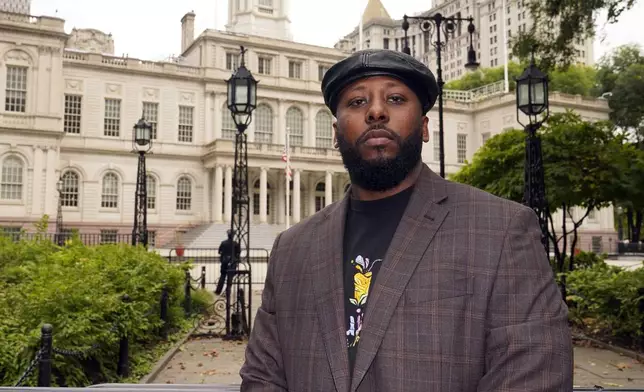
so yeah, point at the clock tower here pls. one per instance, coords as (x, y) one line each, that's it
(266, 18)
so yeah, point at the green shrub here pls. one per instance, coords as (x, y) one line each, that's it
(79, 291)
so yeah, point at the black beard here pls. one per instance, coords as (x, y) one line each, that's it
(381, 174)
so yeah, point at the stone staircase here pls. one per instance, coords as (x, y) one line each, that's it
(210, 235)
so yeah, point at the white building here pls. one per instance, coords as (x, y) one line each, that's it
(70, 104)
(491, 19)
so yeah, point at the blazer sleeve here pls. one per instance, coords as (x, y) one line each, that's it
(263, 369)
(528, 342)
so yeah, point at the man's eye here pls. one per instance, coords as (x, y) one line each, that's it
(356, 102)
(397, 99)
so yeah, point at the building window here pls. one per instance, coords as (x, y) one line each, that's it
(263, 124)
(186, 121)
(461, 148)
(295, 126)
(385, 43)
(295, 69)
(323, 129)
(320, 196)
(151, 188)
(109, 236)
(232, 61)
(184, 194)
(70, 194)
(322, 69)
(11, 183)
(110, 193)
(152, 238)
(597, 244)
(266, 6)
(112, 121)
(228, 127)
(485, 137)
(16, 91)
(437, 147)
(151, 115)
(72, 119)
(264, 65)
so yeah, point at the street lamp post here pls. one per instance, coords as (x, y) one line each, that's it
(142, 144)
(448, 26)
(60, 240)
(242, 100)
(532, 101)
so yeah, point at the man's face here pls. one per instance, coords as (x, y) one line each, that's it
(380, 129)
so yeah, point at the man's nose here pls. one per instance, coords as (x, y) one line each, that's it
(377, 112)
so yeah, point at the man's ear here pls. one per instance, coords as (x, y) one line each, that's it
(335, 134)
(425, 129)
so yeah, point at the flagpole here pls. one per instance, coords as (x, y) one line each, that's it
(287, 177)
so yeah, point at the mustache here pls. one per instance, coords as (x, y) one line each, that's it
(393, 135)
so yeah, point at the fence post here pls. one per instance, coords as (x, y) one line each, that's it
(123, 368)
(164, 312)
(188, 300)
(44, 365)
(203, 276)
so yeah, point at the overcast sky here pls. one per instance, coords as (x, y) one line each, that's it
(151, 29)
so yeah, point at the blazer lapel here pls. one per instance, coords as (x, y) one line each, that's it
(329, 291)
(420, 222)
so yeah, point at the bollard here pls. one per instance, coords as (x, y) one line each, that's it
(44, 365)
(164, 312)
(123, 368)
(188, 300)
(203, 276)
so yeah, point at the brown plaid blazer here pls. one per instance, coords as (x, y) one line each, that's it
(465, 301)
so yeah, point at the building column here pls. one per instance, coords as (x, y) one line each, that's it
(36, 192)
(228, 194)
(281, 200)
(312, 193)
(263, 194)
(296, 196)
(207, 210)
(50, 183)
(328, 188)
(216, 197)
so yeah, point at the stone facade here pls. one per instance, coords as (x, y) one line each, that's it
(69, 114)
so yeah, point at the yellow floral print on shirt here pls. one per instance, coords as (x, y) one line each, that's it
(361, 286)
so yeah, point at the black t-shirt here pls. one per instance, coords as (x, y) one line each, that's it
(226, 247)
(369, 228)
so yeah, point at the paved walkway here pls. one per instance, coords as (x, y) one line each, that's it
(214, 361)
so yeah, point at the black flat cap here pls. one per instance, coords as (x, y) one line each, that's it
(380, 62)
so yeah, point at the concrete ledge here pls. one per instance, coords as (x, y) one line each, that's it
(606, 346)
(161, 363)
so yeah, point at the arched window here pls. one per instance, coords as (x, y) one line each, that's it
(228, 127)
(11, 183)
(70, 194)
(320, 196)
(323, 129)
(184, 194)
(295, 126)
(263, 124)
(110, 191)
(151, 189)
(256, 198)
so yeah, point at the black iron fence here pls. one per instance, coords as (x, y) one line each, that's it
(635, 248)
(43, 359)
(60, 238)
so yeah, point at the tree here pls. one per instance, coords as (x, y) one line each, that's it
(576, 79)
(584, 165)
(632, 200)
(554, 41)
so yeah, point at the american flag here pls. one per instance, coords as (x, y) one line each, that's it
(286, 158)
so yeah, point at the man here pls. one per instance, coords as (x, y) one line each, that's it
(410, 282)
(225, 253)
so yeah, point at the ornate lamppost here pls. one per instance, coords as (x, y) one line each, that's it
(141, 144)
(242, 100)
(447, 26)
(532, 101)
(60, 238)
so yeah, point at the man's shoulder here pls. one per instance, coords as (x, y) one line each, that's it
(474, 201)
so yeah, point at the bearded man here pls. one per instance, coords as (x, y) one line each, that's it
(410, 282)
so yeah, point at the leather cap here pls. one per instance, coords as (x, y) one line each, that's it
(380, 62)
